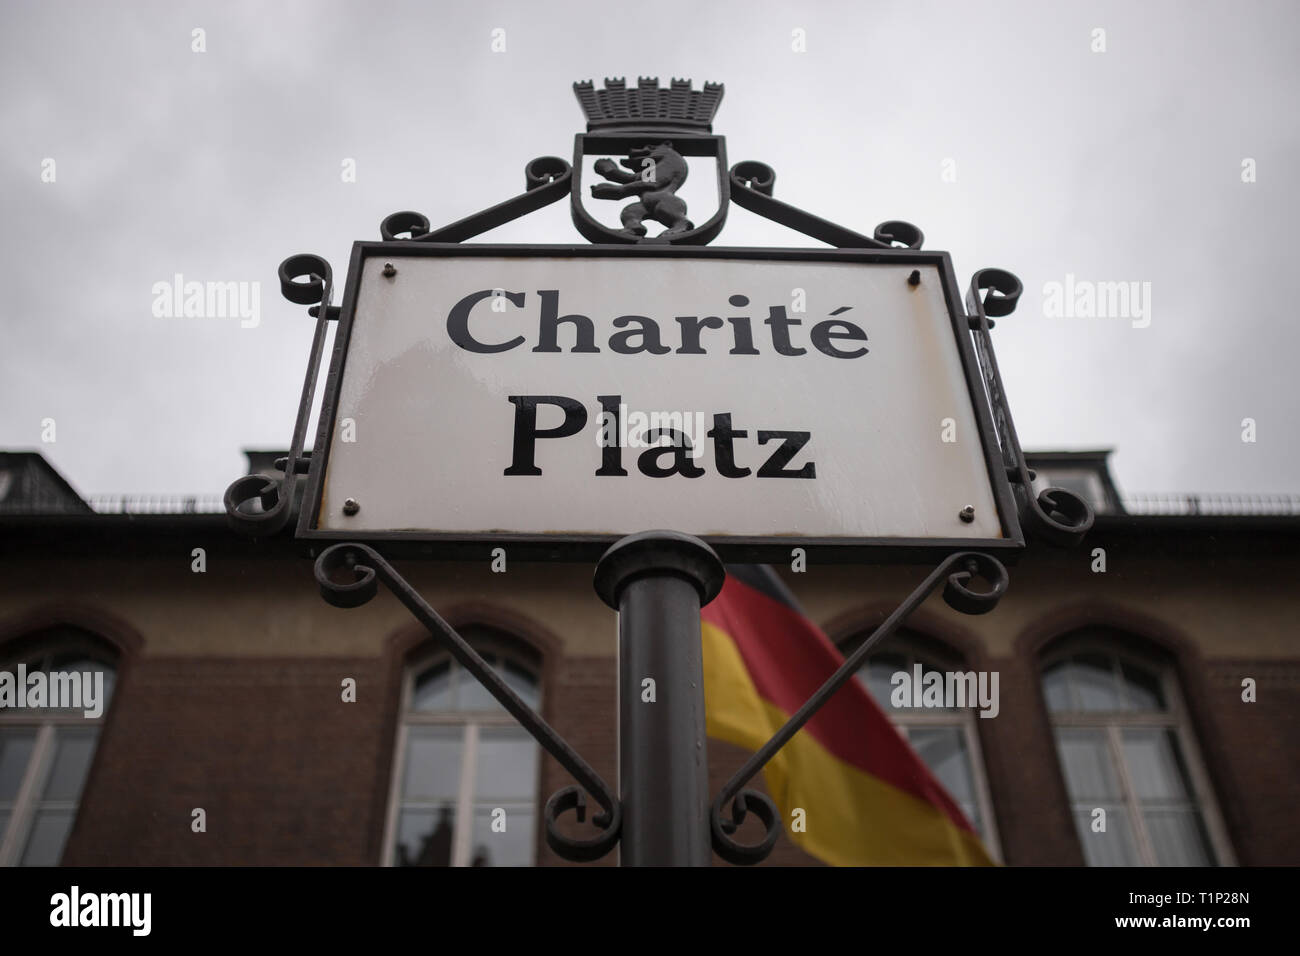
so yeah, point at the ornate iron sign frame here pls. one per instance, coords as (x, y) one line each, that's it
(348, 574)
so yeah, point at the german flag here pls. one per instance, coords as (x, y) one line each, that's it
(868, 798)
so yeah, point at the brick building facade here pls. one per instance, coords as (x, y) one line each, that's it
(1120, 689)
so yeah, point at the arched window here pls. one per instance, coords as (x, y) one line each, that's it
(945, 738)
(55, 687)
(464, 790)
(1138, 791)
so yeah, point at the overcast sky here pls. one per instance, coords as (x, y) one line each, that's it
(1122, 165)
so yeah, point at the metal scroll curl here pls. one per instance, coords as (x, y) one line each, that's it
(751, 188)
(313, 268)
(1056, 515)
(348, 576)
(896, 233)
(545, 170)
(962, 598)
(413, 224)
(305, 279)
(578, 849)
(751, 174)
(269, 493)
(331, 569)
(722, 828)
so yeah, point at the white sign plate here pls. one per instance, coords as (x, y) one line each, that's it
(471, 402)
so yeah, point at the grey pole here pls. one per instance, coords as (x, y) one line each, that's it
(658, 581)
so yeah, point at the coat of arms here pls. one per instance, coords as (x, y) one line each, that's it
(654, 130)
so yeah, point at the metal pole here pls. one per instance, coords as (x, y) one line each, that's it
(658, 581)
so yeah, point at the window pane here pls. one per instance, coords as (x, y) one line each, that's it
(73, 750)
(1088, 771)
(1153, 765)
(15, 751)
(1141, 689)
(507, 764)
(1093, 677)
(49, 834)
(944, 751)
(432, 763)
(523, 683)
(514, 847)
(432, 689)
(1179, 838)
(1056, 686)
(1115, 846)
(424, 837)
(472, 694)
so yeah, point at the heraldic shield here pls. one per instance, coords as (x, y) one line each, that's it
(644, 136)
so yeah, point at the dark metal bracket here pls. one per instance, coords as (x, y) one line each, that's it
(276, 497)
(547, 179)
(1055, 515)
(751, 188)
(956, 572)
(368, 568)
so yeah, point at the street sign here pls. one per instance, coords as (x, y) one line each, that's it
(557, 398)
(658, 407)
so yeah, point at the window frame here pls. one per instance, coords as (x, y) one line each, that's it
(1175, 718)
(46, 722)
(471, 723)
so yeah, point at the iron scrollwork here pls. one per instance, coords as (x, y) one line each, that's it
(656, 128)
(368, 569)
(276, 496)
(751, 188)
(1056, 515)
(547, 179)
(645, 123)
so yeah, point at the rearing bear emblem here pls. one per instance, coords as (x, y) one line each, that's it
(653, 173)
(649, 131)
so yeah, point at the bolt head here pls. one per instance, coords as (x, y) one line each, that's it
(914, 278)
(967, 514)
(351, 506)
(390, 270)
